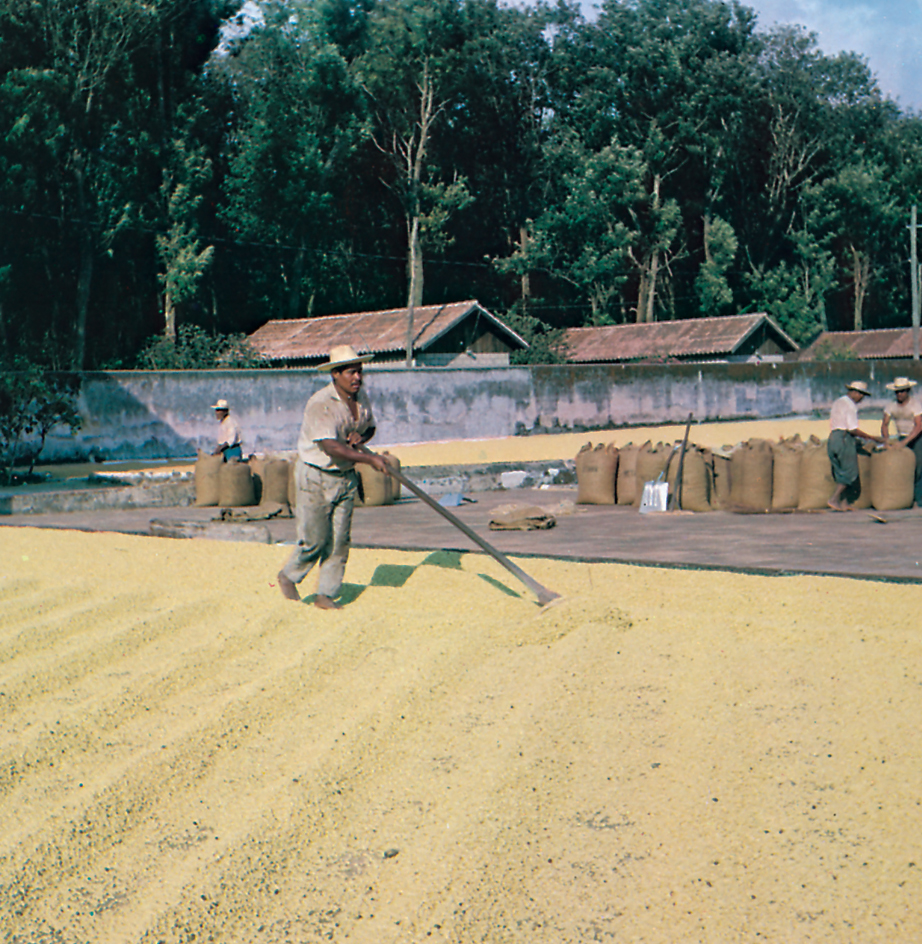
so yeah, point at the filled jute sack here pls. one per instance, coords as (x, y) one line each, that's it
(206, 478)
(626, 480)
(521, 518)
(719, 461)
(596, 471)
(292, 484)
(376, 487)
(786, 456)
(696, 479)
(864, 474)
(392, 483)
(751, 475)
(275, 474)
(235, 485)
(815, 483)
(257, 471)
(651, 460)
(892, 474)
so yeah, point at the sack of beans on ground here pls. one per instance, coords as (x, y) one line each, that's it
(392, 483)
(786, 459)
(596, 472)
(377, 487)
(719, 461)
(751, 475)
(892, 474)
(815, 483)
(270, 481)
(626, 480)
(207, 468)
(697, 479)
(235, 485)
(651, 461)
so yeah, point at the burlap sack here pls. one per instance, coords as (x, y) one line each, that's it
(626, 481)
(376, 486)
(257, 471)
(696, 479)
(815, 483)
(786, 456)
(392, 483)
(293, 484)
(751, 475)
(521, 518)
(596, 470)
(864, 473)
(651, 460)
(892, 474)
(275, 476)
(206, 478)
(719, 460)
(235, 485)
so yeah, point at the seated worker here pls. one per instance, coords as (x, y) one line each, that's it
(841, 446)
(906, 414)
(230, 440)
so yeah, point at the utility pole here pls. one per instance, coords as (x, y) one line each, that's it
(914, 276)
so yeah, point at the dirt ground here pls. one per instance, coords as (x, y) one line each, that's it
(663, 756)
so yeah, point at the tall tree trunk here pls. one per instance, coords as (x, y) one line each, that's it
(85, 271)
(526, 276)
(169, 315)
(861, 265)
(415, 295)
(297, 280)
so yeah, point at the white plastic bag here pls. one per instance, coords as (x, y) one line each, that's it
(655, 496)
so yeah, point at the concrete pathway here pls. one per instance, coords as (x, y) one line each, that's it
(851, 544)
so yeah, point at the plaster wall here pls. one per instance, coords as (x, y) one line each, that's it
(167, 414)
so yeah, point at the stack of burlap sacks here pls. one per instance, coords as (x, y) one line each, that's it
(269, 483)
(757, 475)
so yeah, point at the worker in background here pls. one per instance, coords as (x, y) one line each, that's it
(337, 420)
(841, 445)
(906, 414)
(230, 440)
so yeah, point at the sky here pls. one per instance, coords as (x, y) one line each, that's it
(888, 33)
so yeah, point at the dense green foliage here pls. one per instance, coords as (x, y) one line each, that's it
(666, 160)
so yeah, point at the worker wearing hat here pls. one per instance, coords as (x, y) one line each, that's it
(906, 414)
(337, 419)
(841, 446)
(230, 439)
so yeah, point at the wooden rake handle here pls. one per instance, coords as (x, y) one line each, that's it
(542, 593)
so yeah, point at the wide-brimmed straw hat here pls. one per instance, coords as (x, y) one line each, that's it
(901, 383)
(220, 405)
(342, 356)
(860, 386)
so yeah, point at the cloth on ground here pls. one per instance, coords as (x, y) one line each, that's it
(516, 517)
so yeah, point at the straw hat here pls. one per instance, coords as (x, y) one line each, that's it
(901, 383)
(220, 405)
(860, 386)
(343, 355)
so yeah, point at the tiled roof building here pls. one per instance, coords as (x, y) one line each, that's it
(457, 334)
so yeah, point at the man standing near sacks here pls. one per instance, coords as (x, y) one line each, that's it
(841, 446)
(337, 419)
(230, 439)
(906, 414)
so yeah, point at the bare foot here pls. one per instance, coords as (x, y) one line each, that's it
(325, 603)
(289, 590)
